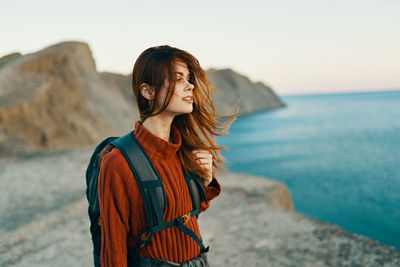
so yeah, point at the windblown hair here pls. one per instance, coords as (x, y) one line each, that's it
(154, 66)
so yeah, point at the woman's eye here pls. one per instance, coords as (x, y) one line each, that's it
(180, 79)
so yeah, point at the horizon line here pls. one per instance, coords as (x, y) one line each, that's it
(374, 90)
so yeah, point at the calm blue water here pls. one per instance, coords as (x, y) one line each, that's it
(339, 155)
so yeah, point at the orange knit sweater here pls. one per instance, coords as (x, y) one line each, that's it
(122, 208)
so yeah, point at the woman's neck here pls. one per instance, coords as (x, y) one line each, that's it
(160, 127)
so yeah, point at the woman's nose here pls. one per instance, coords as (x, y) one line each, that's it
(191, 86)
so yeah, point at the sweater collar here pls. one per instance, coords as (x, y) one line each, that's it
(156, 146)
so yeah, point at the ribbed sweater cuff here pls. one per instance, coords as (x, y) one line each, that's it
(213, 189)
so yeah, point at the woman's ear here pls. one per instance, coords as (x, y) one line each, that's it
(146, 91)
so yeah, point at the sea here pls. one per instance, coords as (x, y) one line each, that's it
(338, 154)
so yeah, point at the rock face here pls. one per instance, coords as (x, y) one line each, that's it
(55, 98)
(231, 87)
(270, 191)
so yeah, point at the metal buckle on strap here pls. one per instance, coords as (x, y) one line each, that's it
(144, 236)
(185, 218)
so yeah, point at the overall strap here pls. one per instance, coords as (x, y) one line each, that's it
(148, 179)
(194, 183)
(179, 222)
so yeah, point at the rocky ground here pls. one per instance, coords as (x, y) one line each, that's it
(44, 221)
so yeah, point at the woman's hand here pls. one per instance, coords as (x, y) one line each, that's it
(205, 159)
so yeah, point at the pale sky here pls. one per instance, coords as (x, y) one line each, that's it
(292, 46)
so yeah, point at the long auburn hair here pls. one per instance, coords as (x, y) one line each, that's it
(153, 67)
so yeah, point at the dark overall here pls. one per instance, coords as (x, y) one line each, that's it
(200, 261)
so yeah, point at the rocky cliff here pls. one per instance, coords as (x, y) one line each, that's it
(231, 87)
(50, 99)
(55, 98)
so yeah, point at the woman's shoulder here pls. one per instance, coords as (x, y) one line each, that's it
(113, 155)
(114, 162)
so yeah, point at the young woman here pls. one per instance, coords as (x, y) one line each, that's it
(175, 101)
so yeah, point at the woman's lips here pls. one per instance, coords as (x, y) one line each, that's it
(188, 99)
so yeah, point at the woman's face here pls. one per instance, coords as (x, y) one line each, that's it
(178, 105)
